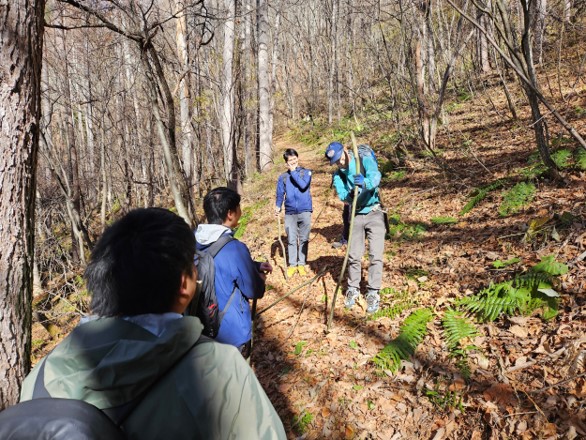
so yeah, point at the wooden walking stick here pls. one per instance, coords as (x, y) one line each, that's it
(282, 247)
(352, 214)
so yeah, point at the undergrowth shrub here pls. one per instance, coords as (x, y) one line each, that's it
(524, 294)
(479, 194)
(516, 198)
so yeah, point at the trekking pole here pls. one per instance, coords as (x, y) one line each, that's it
(253, 315)
(282, 247)
(352, 214)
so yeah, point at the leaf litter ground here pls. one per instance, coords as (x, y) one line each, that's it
(527, 375)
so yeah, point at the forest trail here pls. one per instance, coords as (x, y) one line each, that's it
(325, 385)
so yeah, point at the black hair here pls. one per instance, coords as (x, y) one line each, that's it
(218, 202)
(288, 153)
(137, 263)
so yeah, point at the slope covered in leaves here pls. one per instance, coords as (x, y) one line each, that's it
(522, 376)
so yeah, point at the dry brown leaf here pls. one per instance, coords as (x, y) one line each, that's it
(501, 394)
(519, 331)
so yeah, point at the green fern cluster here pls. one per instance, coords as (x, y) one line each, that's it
(562, 158)
(411, 333)
(524, 294)
(517, 197)
(401, 301)
(456, 328)
(479, 195)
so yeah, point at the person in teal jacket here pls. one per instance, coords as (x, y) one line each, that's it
(369, 221)
(142, 277)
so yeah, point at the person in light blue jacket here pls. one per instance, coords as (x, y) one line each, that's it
(234, 267)
(369, 221)
(293, 187)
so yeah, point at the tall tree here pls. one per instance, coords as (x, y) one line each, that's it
(264, 87)
(21, 42)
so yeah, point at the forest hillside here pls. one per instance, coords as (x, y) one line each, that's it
(481, 332)
(477, 114)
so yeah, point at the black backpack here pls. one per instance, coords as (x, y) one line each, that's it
(205, 307)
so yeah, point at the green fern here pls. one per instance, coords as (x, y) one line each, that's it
(479, 195)
(562, 158)
(517, 197)
(524, 294)
(456, 328)
(401, 301)
(548, 265)
(580, 158)
(411, 333)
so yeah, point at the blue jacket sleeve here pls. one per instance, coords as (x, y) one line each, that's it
(280, 191)
(248, 278)
(341, 186)
(373, 176)
(301, 177)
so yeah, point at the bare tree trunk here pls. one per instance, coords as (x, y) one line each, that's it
(227, 92)
(265, 147)
(21, 42)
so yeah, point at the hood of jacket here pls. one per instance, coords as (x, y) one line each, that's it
(109, 361)
(206, 234)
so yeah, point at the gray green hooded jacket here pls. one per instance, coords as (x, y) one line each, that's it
(210, 393)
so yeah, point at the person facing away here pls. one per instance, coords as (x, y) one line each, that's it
(141, 278)
(236, 272)
(369, 221)
(293, 187)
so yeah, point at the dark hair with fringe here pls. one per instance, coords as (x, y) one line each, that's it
(288, 153)
(137, 263)
(218, 202)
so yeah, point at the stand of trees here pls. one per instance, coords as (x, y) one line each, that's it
(153, 102)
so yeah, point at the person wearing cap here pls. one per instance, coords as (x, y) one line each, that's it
(293, 188)
(368, 223)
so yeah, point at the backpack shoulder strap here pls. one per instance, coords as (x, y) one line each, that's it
(217, 246)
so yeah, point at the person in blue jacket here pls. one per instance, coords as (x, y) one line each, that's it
(293, 187)
(234, 267)
(369, 221)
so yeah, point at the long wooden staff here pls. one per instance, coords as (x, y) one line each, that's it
(352, 214)
(282, 247)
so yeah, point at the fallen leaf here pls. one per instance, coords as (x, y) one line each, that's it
(519, 331)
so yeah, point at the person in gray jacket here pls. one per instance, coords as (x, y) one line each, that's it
(139, 346)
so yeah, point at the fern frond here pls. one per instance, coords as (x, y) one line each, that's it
(480, 195)
(549, 266)
(411, 333)
(457, 327)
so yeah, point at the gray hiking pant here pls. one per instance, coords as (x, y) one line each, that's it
(369, 226)
(297, 227)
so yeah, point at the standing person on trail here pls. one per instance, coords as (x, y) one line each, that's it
(293, 186)
(369, 221)
(138, 353)
(238, 278)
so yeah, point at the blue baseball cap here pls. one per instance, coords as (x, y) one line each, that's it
(334, 152)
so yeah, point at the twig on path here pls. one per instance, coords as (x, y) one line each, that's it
(298, 315)
(319, 275)
(562, 382)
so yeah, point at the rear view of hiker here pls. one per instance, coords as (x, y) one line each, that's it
(238, 278)
(293, 187)
(139, 354)
(369, 221)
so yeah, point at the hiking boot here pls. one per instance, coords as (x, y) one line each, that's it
(291, 270)
(302, 270)
(352, 295)
(340, 244)
(372, 300)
